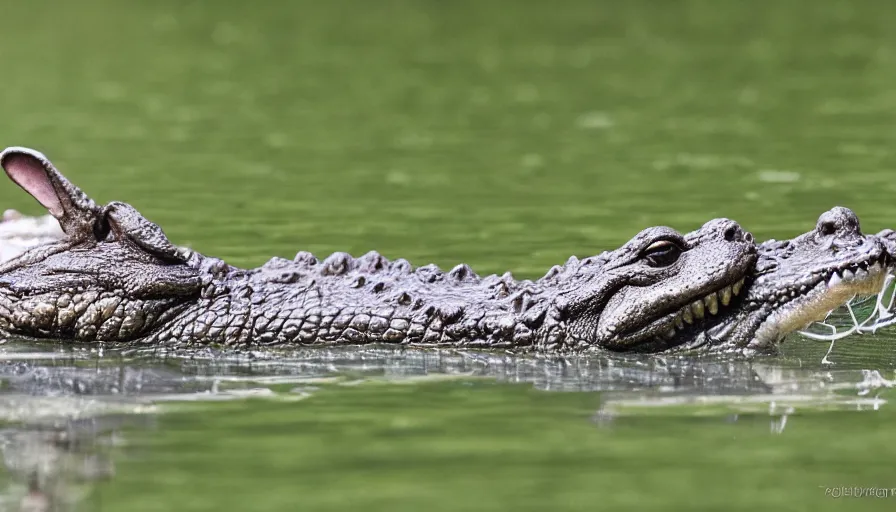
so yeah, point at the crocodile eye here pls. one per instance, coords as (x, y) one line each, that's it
(661, 253)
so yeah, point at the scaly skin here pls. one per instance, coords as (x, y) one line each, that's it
(114, 276)
(370, 299)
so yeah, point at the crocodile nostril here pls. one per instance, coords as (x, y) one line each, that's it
(748, 237)
(827, 228)
(731, 233)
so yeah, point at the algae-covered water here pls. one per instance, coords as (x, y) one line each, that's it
(507, 134)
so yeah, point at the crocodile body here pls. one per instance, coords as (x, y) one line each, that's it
(114, 276)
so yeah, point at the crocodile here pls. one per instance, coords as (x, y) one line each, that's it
(115, 277)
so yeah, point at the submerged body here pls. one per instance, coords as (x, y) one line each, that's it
(114, 276)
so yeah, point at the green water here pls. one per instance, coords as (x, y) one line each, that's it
(504, 134)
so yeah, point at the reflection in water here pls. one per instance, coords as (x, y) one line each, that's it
(50, 464)
(603, 372)
(64, 407)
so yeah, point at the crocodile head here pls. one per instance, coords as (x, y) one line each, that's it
(800, 281)
(709, 299)
(658, 291)
(114, 275)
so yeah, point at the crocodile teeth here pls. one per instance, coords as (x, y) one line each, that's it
(712, 303)
(834, 280)
(725, 295)
(679, 324)
(669, 334)
(697, 309)
(877, 267)
(847, 275)
(861, 274)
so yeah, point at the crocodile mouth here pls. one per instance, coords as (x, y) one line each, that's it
(796, 306)
(680, 327)
(703, 310)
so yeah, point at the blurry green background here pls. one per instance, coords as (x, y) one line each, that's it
(507, 134)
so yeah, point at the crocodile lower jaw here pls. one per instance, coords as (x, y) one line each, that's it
(814, 302)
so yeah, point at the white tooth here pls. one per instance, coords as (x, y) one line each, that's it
(679, 324)
(712, 303)
(725, 295)
(861, 274)
(834, 280)
(847, 275)
(735, 288)
(697, 309)
(687, 316)
(877, 267)
(669, 334)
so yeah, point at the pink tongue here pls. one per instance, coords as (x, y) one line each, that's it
(29, 173)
